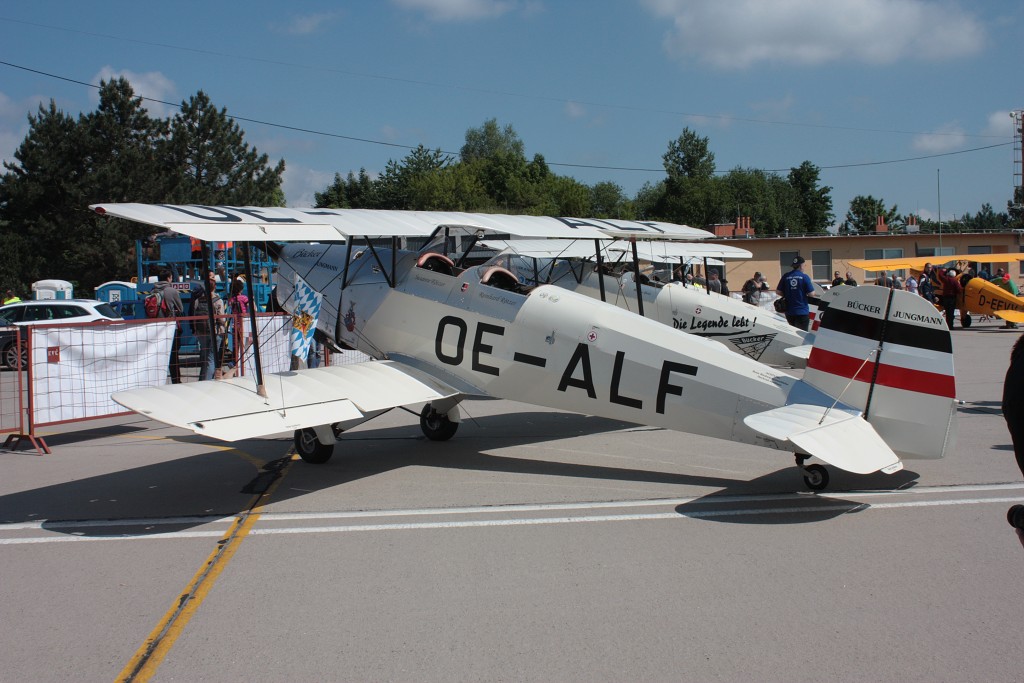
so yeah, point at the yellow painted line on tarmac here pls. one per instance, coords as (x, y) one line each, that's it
(144, 663)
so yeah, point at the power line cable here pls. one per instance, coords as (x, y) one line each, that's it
(488, 91)
(340, 136)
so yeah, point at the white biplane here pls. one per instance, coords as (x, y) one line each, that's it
(879, 384)
(748, 330)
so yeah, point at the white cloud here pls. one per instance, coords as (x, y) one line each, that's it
(999, 123)
(9, 141)
(300, 183)
(309, 23)
(776, 109)
(945, 139)
(738, 34)
(720, 121)
(465, 10)
(574, 110)
(153, 85)
(14, 123)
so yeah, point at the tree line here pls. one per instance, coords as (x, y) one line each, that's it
(119, 153)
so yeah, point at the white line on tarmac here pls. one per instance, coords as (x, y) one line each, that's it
(512, 507)
(617, 518)
(845, 507)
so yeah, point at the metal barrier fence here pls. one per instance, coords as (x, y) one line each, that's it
(68, 371)
(13, 396)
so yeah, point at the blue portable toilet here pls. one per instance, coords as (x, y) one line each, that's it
(122, 296)
(52, 289)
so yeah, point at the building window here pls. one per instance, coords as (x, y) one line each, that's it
(932, 251)
(786, 261)
(821, 265)
(871, 254)
(982, 249)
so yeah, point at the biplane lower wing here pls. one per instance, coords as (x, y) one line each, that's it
(835, 436)
(1011, 316)
(232, 409)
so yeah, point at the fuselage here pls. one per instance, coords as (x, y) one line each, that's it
(745, 329)
(548, 346)
(986, 298)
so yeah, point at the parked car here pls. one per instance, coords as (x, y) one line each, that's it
(46, 311)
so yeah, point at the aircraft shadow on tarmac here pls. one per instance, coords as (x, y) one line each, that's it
(984, 407)
(194, 490)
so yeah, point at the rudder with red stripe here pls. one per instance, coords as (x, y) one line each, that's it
(889, 354)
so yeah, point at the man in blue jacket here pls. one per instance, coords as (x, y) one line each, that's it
(794, 287)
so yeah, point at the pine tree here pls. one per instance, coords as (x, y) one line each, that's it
(209, 161)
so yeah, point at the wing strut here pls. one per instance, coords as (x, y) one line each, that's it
(261, 390)
(636, 278)
(211, 321)
(600, 269)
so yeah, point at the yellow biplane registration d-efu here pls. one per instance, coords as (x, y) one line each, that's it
(980, 296)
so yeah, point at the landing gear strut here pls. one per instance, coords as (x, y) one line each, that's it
(815, 476)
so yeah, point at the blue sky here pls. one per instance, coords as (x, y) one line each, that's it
(596, 87)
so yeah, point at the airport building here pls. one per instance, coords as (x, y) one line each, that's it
(826, 254)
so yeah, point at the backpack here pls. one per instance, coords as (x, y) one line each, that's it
(201, 308)
(155, 305)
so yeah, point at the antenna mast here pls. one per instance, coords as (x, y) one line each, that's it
(1018, 152)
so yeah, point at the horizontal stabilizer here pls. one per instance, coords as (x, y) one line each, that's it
(231, 409)
(803, 351)
(841, 439)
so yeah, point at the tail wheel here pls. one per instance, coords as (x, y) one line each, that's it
(1015, 516)
(816, 477)
(436, 426)
(309, 447)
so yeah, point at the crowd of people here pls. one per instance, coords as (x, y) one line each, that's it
(218, 352)
(945, 286)
(941, 286)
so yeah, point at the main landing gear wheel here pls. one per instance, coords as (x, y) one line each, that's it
(815, 476)
(436, 426)
(965, 320)
(309, 447)
(1015, 516)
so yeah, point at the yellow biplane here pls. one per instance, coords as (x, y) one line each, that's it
(980, 296)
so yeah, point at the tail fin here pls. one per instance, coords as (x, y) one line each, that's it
(889, 354)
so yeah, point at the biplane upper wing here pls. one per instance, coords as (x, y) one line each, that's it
(232, 409)
(543, 248)
(667, 251)
(919, 262)
(214, 223)
(650, 249)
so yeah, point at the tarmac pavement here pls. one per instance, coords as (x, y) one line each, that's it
(535, 545)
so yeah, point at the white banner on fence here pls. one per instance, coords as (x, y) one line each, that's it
(275, 344)
(76, 368)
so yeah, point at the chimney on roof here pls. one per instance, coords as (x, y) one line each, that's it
(880, 226)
